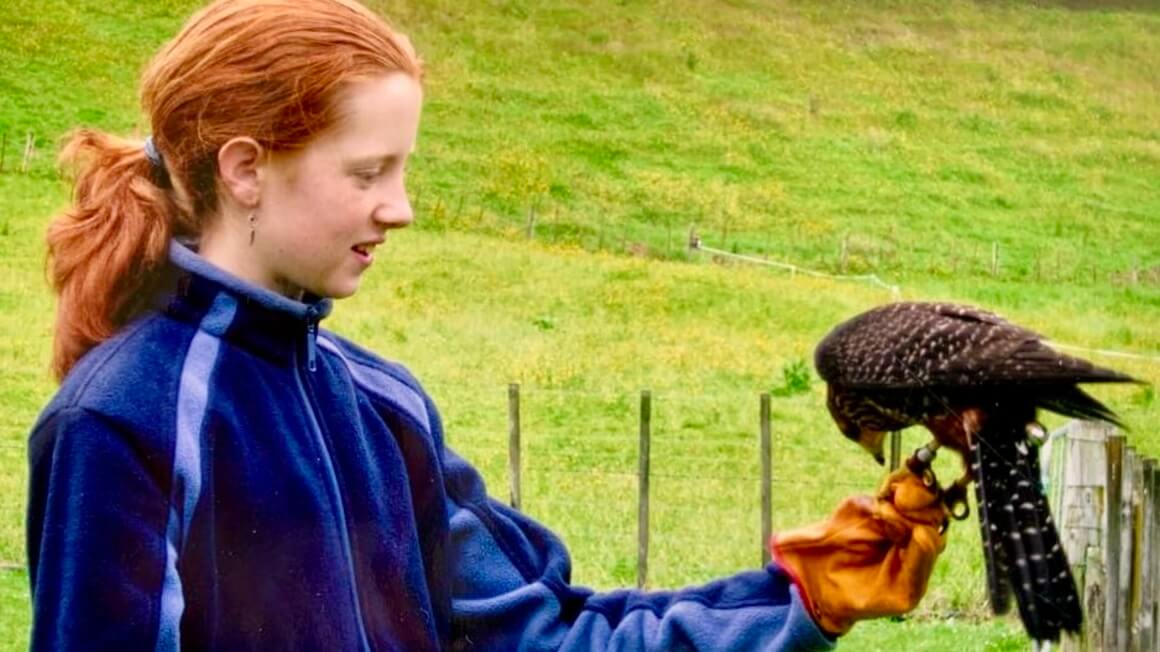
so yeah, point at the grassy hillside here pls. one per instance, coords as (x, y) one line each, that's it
(910, 140)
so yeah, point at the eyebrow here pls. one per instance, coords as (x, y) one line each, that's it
(366, 161)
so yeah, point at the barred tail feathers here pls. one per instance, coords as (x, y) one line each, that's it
(994, 554)
(1020, 534)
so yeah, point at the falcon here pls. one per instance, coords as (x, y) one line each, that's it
(976, 382)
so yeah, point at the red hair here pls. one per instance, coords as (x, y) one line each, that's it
(268, 69)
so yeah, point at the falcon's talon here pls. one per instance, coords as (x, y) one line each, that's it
(955, 499)
(929, 479)
(957, 515)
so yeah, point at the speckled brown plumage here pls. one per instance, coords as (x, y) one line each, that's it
(976, 382)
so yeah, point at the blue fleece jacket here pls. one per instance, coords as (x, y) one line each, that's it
(222, 475)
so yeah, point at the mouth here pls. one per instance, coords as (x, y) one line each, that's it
(365, 251)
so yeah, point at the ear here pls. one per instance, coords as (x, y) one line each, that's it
(240, 163)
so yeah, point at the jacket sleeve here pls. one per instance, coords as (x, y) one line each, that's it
(512, 591)
(98, 550)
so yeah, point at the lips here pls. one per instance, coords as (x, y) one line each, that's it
(366, 251)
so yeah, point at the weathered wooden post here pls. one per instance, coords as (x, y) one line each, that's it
(1145, 626)
(514, 443)
(895, 450)
(642, 511)
(29, 150)
(530, 229)
(766, 479)
(1154, 557)
(1095, 602)
(1132, 542)
(1113, 615)
(1078, 461)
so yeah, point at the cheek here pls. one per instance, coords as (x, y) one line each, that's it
(320, 211)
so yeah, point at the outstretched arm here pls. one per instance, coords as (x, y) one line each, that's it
(512, 591)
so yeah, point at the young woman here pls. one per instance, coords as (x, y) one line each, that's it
(216, 471)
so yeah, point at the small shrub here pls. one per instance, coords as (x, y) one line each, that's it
(795, 378)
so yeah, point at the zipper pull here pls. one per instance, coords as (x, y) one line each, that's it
(311, 337)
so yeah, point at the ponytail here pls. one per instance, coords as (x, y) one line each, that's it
(271, 70)
(106, 251)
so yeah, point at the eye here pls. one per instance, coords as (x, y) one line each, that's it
(367, 176)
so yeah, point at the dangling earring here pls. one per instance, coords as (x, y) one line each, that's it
(253, 219)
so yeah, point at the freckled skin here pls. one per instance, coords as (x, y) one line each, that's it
(976, 382)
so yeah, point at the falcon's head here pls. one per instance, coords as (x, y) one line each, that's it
(859, 420)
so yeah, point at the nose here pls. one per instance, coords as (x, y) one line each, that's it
(393, 210)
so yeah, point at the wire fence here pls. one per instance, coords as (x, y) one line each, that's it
(545, 219)
(871, 279)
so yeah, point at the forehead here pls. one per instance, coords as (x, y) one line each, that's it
(376, 117)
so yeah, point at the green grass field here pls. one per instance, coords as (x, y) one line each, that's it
(909, 140)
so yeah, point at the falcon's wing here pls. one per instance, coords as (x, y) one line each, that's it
(907, 345)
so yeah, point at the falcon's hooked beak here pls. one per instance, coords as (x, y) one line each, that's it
(871, 440)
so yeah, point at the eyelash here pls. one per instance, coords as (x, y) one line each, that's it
(368, 176)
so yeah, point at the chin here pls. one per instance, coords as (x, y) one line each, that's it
(334, 293)
(341, 291)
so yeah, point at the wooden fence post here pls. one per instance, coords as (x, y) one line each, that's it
(642, 511)
(1132, 544)
(29, 150)
(530, 230)
(1144, 636)
(895, 450)
(766, 480)
(514, 443)
(1113, 616)
(1095, 602)
(1154, 556)
(1078, 461)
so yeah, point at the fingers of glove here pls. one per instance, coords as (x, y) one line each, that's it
(917, 562)
(917, 502)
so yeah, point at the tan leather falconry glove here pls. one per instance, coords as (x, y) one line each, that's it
(872, 557)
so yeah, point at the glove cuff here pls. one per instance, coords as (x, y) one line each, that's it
(803, 590)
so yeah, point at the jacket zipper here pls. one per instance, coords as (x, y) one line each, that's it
(328, 461)
(312, 318)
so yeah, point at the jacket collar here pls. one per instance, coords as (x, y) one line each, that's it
(240, 312)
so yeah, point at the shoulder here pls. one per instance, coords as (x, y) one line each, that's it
(131, 379)
(385, 382)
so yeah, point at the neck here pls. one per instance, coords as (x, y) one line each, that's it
(231, 249)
